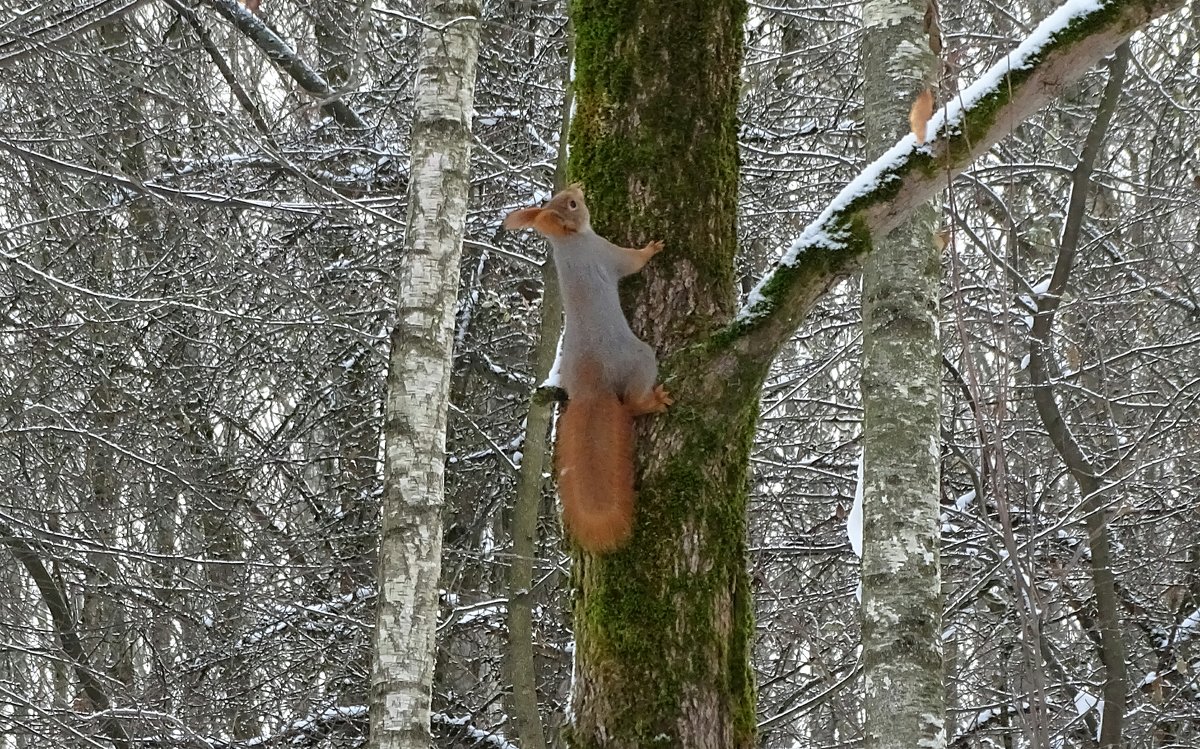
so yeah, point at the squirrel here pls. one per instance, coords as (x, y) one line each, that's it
(608, 372)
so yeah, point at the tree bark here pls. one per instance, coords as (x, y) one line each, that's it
(663, 626)
(904, 701)
(419, 379)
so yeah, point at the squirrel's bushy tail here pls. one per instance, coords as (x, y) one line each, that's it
(595, 471)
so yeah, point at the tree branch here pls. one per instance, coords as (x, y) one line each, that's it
(1065, 46)
(51, 25)
(68, 636)
(222, 64)
(286, 58)
(152, 188)
(1112, 650)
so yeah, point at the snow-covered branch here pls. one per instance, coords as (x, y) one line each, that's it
(1061, 49)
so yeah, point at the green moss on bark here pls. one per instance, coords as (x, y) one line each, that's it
(790, 292)
(664, 626)
(982, 115)
(654, 137)
(669, 617)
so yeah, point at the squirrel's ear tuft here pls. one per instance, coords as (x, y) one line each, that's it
(521, 219)
(575, 186)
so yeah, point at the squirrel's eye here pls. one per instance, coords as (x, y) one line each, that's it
(573, 205)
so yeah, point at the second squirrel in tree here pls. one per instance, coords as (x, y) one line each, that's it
(608, 373)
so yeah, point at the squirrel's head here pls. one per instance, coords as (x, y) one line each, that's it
(563, 215)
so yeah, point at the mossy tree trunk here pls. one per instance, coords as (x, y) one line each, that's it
(663, 626)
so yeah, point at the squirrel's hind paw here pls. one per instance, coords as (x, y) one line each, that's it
(656, 401)
(663, 398)
(653, 402)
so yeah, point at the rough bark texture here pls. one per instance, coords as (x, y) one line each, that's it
(663, 626)
(901, 388)
(419, 378)
(654, 142)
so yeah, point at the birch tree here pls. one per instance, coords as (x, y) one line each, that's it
(419, 378)
(177, 445)
(901, 386)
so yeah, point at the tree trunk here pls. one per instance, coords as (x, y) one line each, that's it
(522, 667)
(531, 482)
(663, 626)
(904, 703)
(419, 378)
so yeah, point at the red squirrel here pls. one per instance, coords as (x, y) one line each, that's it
(609, 374)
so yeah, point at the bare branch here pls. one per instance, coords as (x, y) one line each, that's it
(214, 54)
(65, 627)
(62, 26)
(288, 60)
(145, 187)
(1112, 651)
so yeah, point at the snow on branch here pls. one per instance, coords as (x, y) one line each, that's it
(1062, 48)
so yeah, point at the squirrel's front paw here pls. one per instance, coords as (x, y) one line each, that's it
(653, 248)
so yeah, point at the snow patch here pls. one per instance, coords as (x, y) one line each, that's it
(1085, 702)
(854, 521)
(554, 378)
(1019, 59)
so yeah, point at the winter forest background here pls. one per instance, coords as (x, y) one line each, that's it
(197, 283)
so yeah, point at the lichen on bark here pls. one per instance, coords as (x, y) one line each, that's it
(903, 702)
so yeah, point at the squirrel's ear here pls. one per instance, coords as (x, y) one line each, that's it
(576, 185)
(521, 219)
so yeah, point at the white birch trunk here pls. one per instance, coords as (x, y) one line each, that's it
(419, 379)
(902, 609)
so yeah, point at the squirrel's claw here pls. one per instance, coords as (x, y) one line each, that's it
(663, 397)
(653, 402)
